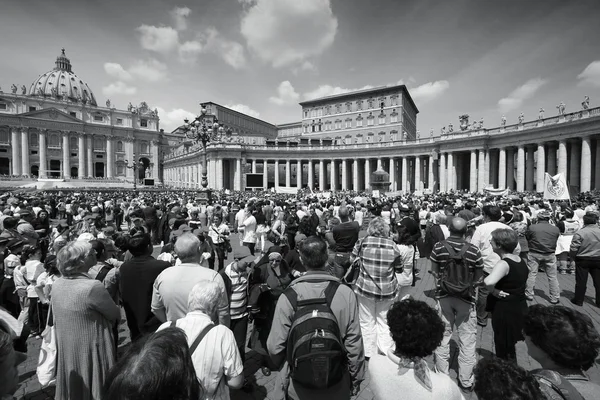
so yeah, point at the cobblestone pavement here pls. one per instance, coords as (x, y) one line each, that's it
(30, 388)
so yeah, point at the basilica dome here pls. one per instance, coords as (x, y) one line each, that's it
(62, 83)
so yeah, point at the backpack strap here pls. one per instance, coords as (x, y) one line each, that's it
(558, 383)
(453, 253)
(330, 291)
(199, 338)
(173, 324)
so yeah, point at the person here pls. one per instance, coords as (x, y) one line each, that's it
(482, 239)
(454, 309)
(345, 236)
(151, 220)
(172, 286)
(567, 227)
(499, 379)
(376, 287)
(135, 285)
(542, 238)
(247, 229)
(43, 288)
(566, 343)
(402, 372)
(41, 224)
(25, 228)
(409, 254)
(506, 301)
(84, 315)
(159, 367)
(344, 307)
(218, 231)
(268, 281)
(585, 250)
(9, 299)
(519, 224)
(215, 356)
(26, 279)
(262, 228)
(10, 359)
(278, 229)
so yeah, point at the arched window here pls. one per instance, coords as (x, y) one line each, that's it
(54, 141)
(33, 139)
(120, 146)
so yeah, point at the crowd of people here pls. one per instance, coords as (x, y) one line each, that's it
(318, 282)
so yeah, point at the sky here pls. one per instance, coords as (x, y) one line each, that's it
(262, 57)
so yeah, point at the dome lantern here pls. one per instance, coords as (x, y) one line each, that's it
(62, 62)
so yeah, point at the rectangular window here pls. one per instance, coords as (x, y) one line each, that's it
(33, 152)
(73, 114)
(73, 154)
(320, 112)
(31, 108)
(3, 106)
(381, 119)
(144, 123)
(98, 118)
(348, 124)
(119, 121)
(394, 119)
(359, 122)
(370, 121)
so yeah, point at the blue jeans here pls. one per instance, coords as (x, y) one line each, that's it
(459, 313)
(547, 261)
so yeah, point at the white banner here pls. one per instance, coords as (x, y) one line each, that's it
(286, 190)
(555, 187)
(495, 192)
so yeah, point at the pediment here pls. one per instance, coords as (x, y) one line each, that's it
(51, 114)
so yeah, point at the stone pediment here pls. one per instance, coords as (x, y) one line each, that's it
(50, 114)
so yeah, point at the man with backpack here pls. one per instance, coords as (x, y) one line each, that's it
(457, 266)
(316, 333)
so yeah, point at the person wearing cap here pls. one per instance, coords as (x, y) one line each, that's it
(138, 225)
(585, 250)
(542, 238)
(8, 292)
(25, 228)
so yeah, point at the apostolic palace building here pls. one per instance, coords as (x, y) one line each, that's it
(342, 139)
(54, 128)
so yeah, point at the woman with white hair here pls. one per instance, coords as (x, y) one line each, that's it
(84, 314)
(214, 351)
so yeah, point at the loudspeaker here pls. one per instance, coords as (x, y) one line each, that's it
(148, 182)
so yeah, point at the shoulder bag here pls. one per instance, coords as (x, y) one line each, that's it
(353, 272)
(46, 368)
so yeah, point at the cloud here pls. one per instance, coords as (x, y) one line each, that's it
(118, 88)
(428, 91)
(171, 120)
(244, 109)
(190, 50)
(117, 71)
(232, 52)
(286, 94)
(516, 97)
(287, 32)
(306, 66)
(590, 75)
(328, 90)
(161, 39)
(150, 70)
(179, 15)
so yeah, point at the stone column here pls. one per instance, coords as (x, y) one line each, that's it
(25, 152)
(334, 169)
(562, 158)
(219, 173)
(14, 145)
(81, 155)
(276, 174)
(299, 174)
(154, 144)
(510, 168)
(442, 172)
(344, 174)
(322, 174)
(551, 159)
(520, 169)
(597, 166)
(43, 158)
(430, 184)
(418, 185)
(90, 158)
(265, 174)
(379, 163)
(288, 174)
(487, 155)
(529, 169)
(450, 175)
(576, 165)
(66, 163)
(392, 173)
(473, 171)
(502, 168)
(110, 158)
(253, 166)
(540, 168)
(481, 178)
(405, 187)
(586, 165)
(355, 175)
(237, 184)
(367, 174)
(311, 174)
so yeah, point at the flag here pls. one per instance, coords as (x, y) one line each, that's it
(495, 192)
(555, 187)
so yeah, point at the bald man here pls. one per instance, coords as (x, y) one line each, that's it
(457, 310)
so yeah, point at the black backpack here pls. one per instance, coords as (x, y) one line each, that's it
(456, 277)
(315, 349)
(557, 384)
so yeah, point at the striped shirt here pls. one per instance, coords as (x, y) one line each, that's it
(238, 298)
(379, 256)
(216, 355)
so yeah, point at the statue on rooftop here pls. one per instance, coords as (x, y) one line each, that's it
(54, 92)
(418, 134)
(13, 88)
(541, 114)
(23, 90)
(481, 123)
(450, 128)
(130, 107)
(108, 103)
(503, 121)
(431, 132)
(443, 130)
(586, 102)
(521, 118)
(561, 108)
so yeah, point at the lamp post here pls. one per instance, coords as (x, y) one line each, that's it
(204, 129)
(133, 166)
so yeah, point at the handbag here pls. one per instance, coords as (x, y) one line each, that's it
(353, 272)
(46, 368)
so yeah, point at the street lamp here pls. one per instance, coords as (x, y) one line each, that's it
(203, 129)
(133, 166)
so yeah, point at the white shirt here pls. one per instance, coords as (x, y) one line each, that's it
(249, 225)
(358, 217)
(216, 355)
(482, 239)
